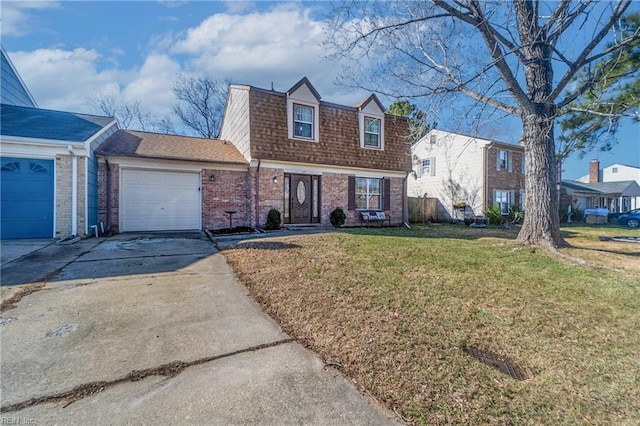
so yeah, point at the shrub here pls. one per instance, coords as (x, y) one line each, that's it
(516, 214)
(337, 217)
(495, 215)
(273, 220)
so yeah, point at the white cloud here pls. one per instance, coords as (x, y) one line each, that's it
(281, 45)
(17, 16)
(153, 83)
(63, 79)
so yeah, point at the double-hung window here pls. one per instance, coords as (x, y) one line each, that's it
(504, 160)
(501, 200)
(372, 132)
(368, 194)
(426, 166)
(303, 121)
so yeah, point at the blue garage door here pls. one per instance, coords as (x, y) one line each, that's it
(27, 198)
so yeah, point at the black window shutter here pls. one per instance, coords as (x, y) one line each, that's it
(352, 193)
(386, 195)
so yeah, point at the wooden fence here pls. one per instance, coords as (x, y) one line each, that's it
(422, 209)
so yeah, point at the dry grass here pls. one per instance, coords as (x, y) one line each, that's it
(394, 308)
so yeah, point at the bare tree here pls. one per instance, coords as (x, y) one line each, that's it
(502, 55)
(201, 105)
(131, 114)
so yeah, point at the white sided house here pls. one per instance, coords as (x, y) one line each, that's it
(612, 187)
(466, 174)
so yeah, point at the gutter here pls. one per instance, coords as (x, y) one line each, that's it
(74, 191)
(106, 161)
(257, 203)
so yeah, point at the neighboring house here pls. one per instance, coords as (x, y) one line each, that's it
(12, 88)
(616, 188)
(307, 156)
(48, 170)
(153, 182)
(467, 174)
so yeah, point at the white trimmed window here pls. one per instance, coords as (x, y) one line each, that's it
(368, 194)
(303, 114)
(505, 160)
(503, 200)
(372, 132)
(303, 121)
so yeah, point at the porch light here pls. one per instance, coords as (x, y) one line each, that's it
(275, 179)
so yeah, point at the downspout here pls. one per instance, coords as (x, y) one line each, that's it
(257, 204)
(485, 180)
(74, 191)
(405, 214)
(106, 161)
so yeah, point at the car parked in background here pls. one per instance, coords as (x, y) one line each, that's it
(630, 218)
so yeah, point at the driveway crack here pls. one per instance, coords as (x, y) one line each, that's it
(170, 369)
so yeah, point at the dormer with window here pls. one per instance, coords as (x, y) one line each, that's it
(303, 112)
(371, 123)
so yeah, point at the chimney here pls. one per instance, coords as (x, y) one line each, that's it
(594, 171)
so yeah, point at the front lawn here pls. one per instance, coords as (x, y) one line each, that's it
(395, 310)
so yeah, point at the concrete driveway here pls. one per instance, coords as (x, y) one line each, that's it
(155, 329)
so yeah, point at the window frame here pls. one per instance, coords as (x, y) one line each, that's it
(507, 202)
(312, 122)
(426, 170)
(378, 144)
(368, 194)
(506, 162)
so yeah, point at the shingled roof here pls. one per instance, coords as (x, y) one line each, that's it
(129, 143)
(40, 123)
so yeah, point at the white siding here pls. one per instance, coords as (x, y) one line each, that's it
(458, 160)
(235, 124)
(622, 173)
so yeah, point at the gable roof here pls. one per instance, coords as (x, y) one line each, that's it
(39, 123)
(371, 98)
(129, 143)
(305, 81)
(623, 188)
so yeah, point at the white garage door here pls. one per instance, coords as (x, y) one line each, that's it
(159, 200)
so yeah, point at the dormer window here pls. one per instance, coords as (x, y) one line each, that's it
(303, 112)
(372, 132)
(303, 121)
(371, 123)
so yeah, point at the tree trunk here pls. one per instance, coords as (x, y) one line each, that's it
(541, 224)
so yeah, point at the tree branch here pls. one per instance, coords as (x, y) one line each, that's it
(487, 32)
(583, 57)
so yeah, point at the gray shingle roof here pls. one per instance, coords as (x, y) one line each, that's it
(626, 187)
(39, 123)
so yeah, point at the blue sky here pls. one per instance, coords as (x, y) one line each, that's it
(68, 51)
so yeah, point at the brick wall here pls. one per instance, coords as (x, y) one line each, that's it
(111, 223)
(505, 180)
(271, 194)
(339, 142)
(64, 184)
(229, 191)
(335, 194)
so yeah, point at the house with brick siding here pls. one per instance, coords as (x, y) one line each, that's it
(288, 151)
(307, 156)
(159, 182)
(467, 174)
